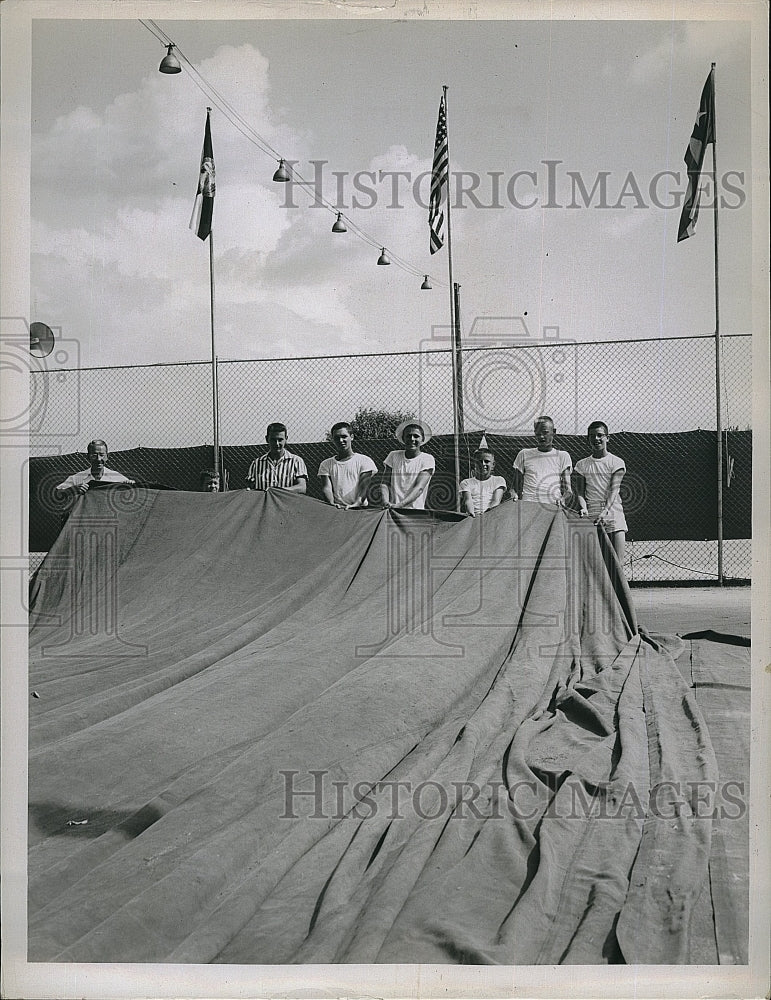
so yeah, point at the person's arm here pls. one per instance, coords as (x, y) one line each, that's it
(420, 484)
(566, 492)
(326, 488)
(497, 497)
(365, 478)
(385, 487)
(516, 484)
(299, 485)
(613, 492)
(467, 502)
(70, 485)
(583, 510)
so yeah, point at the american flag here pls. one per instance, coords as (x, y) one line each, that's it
(438, 181)
(203, 209)
(703, 134)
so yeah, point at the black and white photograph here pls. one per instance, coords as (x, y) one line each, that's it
(385, 445)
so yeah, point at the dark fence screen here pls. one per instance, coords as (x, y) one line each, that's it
(668, 490)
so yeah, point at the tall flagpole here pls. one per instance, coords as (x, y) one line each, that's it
(718, 408)
(457, 346)
(214, 385)
(453, 317)
(202, 224)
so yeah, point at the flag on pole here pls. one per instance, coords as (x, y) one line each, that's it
(203, 210)
(703, 133)
(439, 181)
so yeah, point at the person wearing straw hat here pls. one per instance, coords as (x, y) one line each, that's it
(408, 473)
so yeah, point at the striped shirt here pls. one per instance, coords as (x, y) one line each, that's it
(285, 471)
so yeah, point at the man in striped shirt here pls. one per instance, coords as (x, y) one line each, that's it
(278, 467)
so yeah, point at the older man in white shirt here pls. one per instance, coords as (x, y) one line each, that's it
(97, 473)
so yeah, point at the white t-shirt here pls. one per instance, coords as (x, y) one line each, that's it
(404, 475)
(481, 491)
(344, 476)
(542, 471)
(598, 473)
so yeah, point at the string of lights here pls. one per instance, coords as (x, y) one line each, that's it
(286, 172)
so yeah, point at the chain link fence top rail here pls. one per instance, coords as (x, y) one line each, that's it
(654, 386)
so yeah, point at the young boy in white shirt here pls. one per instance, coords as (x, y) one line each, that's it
(542, 474)
(483, 491)
(408, 472)
(345, 477)
(598, 486)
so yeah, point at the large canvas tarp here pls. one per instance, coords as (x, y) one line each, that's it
(269, 731)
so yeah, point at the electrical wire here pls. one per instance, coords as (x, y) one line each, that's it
(248, 132)
(690, 569)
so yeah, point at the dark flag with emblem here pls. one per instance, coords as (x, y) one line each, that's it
(203, 210)
(439, 181)
(703, 133)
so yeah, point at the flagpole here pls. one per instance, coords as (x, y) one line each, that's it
(459, 362)
(718, 408)
(214, 382)
(453, 318)
(214, 385)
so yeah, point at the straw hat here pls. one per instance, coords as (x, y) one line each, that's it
(399, 432)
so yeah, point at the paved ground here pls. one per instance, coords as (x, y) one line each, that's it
(681, 610)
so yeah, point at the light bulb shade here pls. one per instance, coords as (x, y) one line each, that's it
(426, 286)
(170, 63)
(383, 258)
(339, 226)
(281, 176)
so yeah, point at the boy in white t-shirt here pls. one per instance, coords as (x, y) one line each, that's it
(345, 478)
(542, 474)
(484, 490)
(408, 472)
(598, 484)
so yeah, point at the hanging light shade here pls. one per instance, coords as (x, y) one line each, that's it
(339, 226)
(281, 175)
(383, 258)
(426, 286)
(170, 63)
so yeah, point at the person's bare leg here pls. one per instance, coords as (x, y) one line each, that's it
(618, 541)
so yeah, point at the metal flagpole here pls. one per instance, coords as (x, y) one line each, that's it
(453, 318)
(214, 387)
(718, 408)
(457, 347)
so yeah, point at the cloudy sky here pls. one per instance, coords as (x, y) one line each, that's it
(116, 149)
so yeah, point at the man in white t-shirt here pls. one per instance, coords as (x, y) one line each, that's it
(542, 474)
(483, 490)
(408, 472)
(599, 484)
(345, 478)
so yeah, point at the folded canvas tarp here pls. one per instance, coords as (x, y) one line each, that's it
(270, 731)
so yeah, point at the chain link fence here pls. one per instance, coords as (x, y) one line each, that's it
(638, 387)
